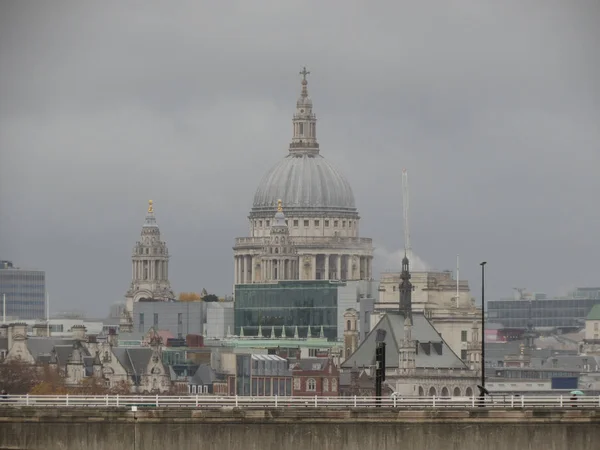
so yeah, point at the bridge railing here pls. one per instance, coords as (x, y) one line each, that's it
(210, 401)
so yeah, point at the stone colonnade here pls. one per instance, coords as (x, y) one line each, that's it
(150, 269)
(310, 266)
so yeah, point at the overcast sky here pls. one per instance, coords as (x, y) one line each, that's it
(493, 107)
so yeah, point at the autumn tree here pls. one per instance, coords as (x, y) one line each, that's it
(189, 297)
(50, 381)
(18, 377)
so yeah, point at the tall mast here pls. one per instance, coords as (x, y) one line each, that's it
(457, 282)
(405, 204)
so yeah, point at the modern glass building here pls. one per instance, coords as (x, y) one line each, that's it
(563, 314)
(288, 304)
(25, 292)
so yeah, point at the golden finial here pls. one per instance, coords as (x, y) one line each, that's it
(279, 206)
(150, 207)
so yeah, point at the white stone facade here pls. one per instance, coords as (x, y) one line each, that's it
(149, 266)
(319, 233)
(435, 295)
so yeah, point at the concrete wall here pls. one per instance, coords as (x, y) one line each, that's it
(306, 429)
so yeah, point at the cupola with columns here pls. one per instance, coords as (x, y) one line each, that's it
(149, 265)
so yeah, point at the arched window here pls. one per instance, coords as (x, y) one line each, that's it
(348, 325)
(469, 392)
(311, 384)
(325, 385)
(432, 392)
(334, 385)
(445, 392)
(421, 391)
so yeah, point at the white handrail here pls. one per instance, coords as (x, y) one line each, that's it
(214, 401)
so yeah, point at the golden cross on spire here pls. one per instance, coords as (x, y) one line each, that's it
(150, 207)
(304, 73)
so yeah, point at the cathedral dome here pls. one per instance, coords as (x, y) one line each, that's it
(306, 183)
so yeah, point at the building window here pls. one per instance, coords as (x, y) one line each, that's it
(335, 223)
(317, 223)
(268, 223)
(596, 326)
(295, 222)
(306, 223)
(463, 336)
(327, 222)
(463, 355)
(141, 327)
(343, 224)
(325, 385)
(156, 320)
(260, 223)
(334, 385)
(301, 128)
(311, 384)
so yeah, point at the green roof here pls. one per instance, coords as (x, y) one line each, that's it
(594, 313)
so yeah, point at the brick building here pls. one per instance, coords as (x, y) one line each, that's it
(315, 376)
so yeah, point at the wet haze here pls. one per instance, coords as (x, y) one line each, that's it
(493, 107)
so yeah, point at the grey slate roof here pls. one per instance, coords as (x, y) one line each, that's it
(38, 346)
(204, 375)
(433, 351)
(308, 364)
(134, 360)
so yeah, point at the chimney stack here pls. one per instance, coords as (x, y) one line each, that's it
(78, 332)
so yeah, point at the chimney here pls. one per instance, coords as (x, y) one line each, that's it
(19, 330)
(9, 335)
(78, 332)
(113, 337)
(40, 330)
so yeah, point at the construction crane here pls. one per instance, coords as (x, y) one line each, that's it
(521, 291)
(405, 204)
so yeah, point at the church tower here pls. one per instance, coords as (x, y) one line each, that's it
(279, 261)
(408, 349)
(350, 332)
(406, 289)
(149, 266)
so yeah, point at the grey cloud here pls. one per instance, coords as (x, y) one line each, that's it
(493, 108)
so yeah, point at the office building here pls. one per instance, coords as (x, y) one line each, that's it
(25, 292)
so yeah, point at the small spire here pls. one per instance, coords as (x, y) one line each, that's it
(150, 207)
(279, 206)
(283, 335)
(322, 333)
(241, 331)
(272, 332)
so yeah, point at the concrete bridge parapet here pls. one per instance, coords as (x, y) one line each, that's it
(297, 428)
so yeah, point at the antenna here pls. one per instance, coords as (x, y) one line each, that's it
(457, 281)
(405, 205)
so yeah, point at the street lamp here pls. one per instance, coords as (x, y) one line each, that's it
(482, 390)
(483, 323)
